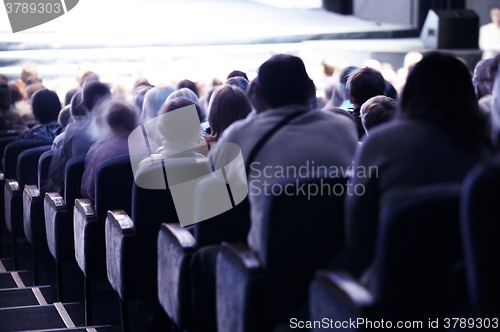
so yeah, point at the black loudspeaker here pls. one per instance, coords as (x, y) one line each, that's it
(450, 29)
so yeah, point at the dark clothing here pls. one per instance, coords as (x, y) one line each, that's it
(98, 152)
(396, 156)
(45, 132)
(359, 125)
(77, 141)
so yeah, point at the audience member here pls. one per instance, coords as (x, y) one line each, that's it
(8, 120)
(363, 84)
(377, 110)
(438, 135)
(228, 104)
(239, 82)
(282, 90)
(189, 85)
(79, 134)
(46, 107)
(122, 119)
(237, 73)
(62, 120)
(340, 98)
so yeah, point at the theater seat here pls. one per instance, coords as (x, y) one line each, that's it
(418, 272)
(256, 290)
(33, 218)
(58, 212)
(480, 226)
(131, 243)
(114, 181)
(18, 172)
(177, 244)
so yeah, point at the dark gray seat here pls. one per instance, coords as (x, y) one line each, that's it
(256, 290)
(418, 271)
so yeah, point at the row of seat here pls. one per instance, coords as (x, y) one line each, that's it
(131, 236)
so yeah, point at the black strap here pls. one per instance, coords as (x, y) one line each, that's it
(263, 140)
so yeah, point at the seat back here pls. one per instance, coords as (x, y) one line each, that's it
(480, 227)
(417, 271)
(230, 226)
(12, 151)
(151, 208)
(27, 165)
(114, 179)
(72, 183)
(43, 170)
(3, 143)
(301, 232)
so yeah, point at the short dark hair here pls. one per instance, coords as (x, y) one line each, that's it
(229, 103)
(190, 85)
(93, 92)
(365, 83)
(76, 105)
(377, 110)
(122, 117)
(283, 80)
(64, 116)
(237, 73)
(46, 105)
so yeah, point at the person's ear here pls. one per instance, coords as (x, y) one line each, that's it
(351, 99)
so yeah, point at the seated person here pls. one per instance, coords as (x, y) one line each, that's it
(121, 119)
(376, 111)
(46, 107)
(82, 132)
(438, 136)
(227, 105)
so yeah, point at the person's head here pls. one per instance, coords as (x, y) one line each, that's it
(483, 78)
(94, 92)
(239, 81)
(32, 88)
(439, 91)
(15, 93)
(495, 15)
(182, 129)
(64, 116)
(139, 92)
(237, 73)
(77, 108)
(154, 100)
(121, 118)
(376, 111)
(183, 93)
(89, 76)
(46, 106)
(29, 71)
(282, 80)
(228, 104)
(363, 84)
(69, 95)
(4, 96)
(190, 85)
(328, 65)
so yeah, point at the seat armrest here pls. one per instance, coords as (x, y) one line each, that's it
(12, 184)
(32, 191)
(346, 289)
(56, 200)
(86, 207)
(180, 235)
(121, 219)
(243, 256)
